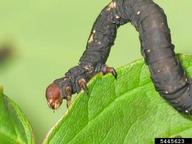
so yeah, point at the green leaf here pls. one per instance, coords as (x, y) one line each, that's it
(14, 127)
(123, 111)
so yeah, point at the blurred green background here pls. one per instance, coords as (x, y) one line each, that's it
(48, 37)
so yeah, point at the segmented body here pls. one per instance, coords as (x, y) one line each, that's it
(157, 49)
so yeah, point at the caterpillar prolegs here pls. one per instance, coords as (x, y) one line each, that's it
(157, 49)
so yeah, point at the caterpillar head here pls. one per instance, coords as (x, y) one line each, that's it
(54, 96)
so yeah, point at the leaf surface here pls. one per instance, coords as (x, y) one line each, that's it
(123, 111)
(14, 127)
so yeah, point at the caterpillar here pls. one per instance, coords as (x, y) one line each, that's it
(150, 21)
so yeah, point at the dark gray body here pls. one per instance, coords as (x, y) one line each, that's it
(157, 49)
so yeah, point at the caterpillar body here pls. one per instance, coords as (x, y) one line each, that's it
(150, 21)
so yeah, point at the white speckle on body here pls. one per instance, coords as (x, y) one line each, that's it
(117, 17)
(186, 111)
(90, 39)
(111, 5)
(138, 12)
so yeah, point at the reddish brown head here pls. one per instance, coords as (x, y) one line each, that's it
(53, 95)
